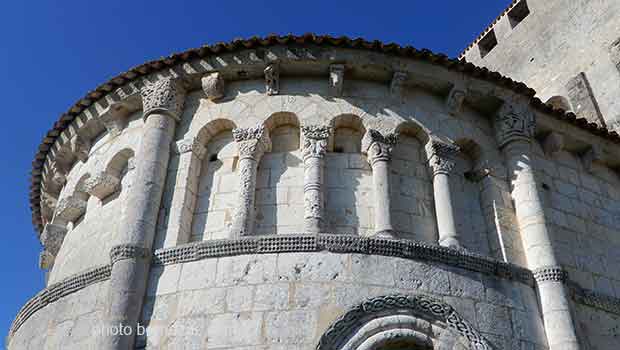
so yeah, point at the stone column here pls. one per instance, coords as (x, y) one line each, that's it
(515, 126)
(378, 149)
(252, 144)
(162, 106)
(441, 159)
(314, 149)
(179, 225)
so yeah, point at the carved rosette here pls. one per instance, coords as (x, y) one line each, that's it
(272, 79)
(51, 239)
(454, 102)
(70, 208)
(397, 84)
(190, 145)
(550, 274)
(378, 147)
(315, 140)
(336, 79)
(252, 142)
(441, 157)
(102, 185)
(213, 86)
(164, 96)
(514, 123)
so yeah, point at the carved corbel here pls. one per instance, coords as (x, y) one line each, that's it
(166, 96)
(377, 146)
(190, 145)
(58, 173)
(70, 209)
(553, 143)
(80, 147)
(213, 86)
(272, 79)
(514, 122)
(102, 185)
(51, 239)
(455, 99)
(336, 79)
(114, 118)
(592, 155)
(397, 84)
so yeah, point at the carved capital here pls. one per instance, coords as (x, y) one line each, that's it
(51, 239)
(102, 185)
(454, 101)
(165, 96)
(315, 140)
(252, 142)
(80, 147)
(397, 84)
(441, 156)
(378, 147)
(336, 79)
(213, 86)
(272, 79)
(550, 274)
(190, 145)
(70, 208)
(514, 123)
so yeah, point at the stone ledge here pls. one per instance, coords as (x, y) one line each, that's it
(595, 299)
(342, 244)
(59, 290)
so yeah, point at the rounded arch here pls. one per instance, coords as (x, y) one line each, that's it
(283, 129)
(117, 164)
(388, 320)
(471, 150)
(278, 119)
(347, 133)
(415, 129)
(213, 128)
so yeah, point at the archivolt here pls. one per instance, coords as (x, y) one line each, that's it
(417, 320)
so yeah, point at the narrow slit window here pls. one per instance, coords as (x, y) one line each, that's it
(487, 43)
(518, 13)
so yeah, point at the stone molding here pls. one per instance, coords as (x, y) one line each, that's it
(166, 96)
(550, 274)
(127, 252)
(213, 86)
(57, 291)
(272, 79)
(441, 156)
(514, 122)
(337, 243)
(190, 145)
(336, 79)
(378, 147)
(596, 300)
(315, 140)
(252, 142)
(431, 309)
(102, 185)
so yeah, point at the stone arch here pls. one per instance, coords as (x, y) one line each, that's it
(279, 195)
(217, 182)
(417, 319)
(348, 131)
(411, 188)
(119, 162)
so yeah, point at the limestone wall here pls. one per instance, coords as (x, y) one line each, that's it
(287, 301)
(555, 43)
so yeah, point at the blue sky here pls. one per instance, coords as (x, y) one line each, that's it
(53, 52)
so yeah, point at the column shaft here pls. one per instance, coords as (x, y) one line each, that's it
(314, 149)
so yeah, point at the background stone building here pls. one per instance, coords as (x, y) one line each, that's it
(321, 193)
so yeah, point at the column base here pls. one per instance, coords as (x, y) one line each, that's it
(390, 233)
(450, 242)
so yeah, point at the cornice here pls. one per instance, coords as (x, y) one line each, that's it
(129, 83)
